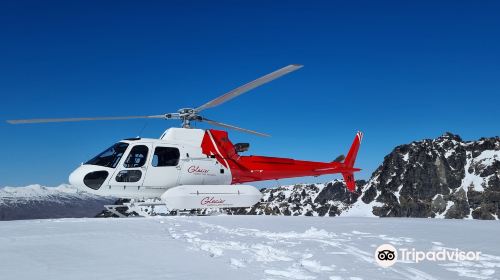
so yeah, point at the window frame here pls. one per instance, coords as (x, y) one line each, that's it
(165, 147)
(128, 171)
(131, 148)
(116, 159)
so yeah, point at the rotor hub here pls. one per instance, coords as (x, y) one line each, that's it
(187, 115)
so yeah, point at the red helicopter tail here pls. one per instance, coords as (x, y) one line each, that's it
(349, 162)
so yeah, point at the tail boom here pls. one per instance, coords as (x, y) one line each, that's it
(246, 169)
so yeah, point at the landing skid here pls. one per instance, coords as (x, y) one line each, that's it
(113, 209)
(197, 212)
(147, 209)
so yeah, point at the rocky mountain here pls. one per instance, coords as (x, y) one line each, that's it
(329, 199)
(444, 177)
(38, 202)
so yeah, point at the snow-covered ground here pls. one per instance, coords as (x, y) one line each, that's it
(240, 247)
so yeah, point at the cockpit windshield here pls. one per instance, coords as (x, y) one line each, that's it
(110, 157)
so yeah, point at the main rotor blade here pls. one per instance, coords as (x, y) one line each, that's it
(84, 119)
(234, 127)
(249, 86)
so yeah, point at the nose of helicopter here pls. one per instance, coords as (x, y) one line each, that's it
(76, 178)
(88, 177)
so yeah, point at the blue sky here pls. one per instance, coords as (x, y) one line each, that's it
(397, 70)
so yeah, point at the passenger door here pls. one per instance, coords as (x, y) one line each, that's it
(129, 176)
(163, 169)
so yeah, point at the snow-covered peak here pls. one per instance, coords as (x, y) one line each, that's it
(37, 190)
(443, 177)
(37, 201)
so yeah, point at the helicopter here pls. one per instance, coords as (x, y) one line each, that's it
(189, 168)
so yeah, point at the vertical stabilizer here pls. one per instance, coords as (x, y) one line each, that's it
(350, 160)
(353, 151)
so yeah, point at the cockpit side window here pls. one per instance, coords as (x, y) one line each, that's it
(136, 157)
(166, 156)
(110, 157)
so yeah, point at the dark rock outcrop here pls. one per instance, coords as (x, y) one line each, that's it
(445, 177)
(303, 200)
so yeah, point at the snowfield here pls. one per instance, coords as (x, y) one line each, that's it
(240, 247)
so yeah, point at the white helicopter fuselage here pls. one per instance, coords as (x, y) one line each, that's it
(141, 171)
